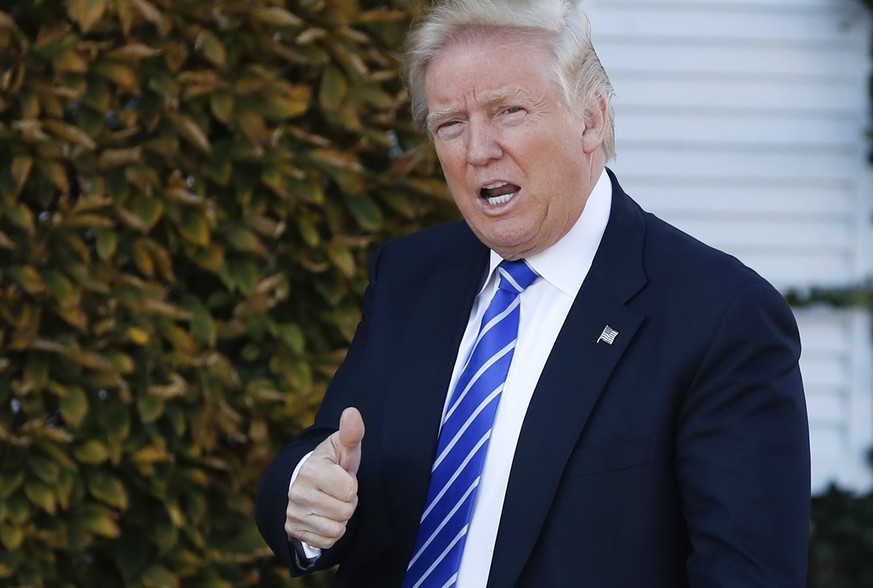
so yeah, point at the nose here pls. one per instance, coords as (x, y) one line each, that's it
(482, 145)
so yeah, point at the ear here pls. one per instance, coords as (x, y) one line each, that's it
(596, 119)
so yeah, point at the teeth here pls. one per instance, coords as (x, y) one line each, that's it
(495, 185)
(500, 199)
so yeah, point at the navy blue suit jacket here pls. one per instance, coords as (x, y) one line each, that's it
(677, 456)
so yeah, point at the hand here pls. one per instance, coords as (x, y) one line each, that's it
(325, 494)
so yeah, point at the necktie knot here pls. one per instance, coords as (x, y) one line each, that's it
(515, 276)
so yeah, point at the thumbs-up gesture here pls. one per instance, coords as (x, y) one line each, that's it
(325, 494)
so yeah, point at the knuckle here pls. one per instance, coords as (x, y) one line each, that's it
(350, 490)
(346, 510)
(337, 530)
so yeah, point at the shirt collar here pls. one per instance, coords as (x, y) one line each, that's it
(566, 263)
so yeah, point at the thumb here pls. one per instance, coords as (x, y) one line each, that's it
(348, 440)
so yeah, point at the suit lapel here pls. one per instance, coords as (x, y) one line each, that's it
(418, 387)
(573, 379)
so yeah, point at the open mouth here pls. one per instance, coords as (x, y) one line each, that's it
(499, 193)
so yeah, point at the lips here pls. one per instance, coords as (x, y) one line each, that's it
(499, 192)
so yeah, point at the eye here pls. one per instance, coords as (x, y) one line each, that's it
(513, 110)
(449, 128)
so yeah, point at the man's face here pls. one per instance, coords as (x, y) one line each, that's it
(519, 164)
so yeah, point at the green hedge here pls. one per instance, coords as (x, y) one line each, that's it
(189, 193)
(841, 552)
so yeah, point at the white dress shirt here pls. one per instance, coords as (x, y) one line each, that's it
(544, 308)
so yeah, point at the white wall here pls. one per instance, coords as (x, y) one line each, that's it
(742, 122)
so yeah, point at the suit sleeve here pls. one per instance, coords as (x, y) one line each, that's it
(272, 498)
(742, 451)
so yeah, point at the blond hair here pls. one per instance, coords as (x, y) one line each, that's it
(560, 24)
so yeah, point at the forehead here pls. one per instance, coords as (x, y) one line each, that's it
(487, 69)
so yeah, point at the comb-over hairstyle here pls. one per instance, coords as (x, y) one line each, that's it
(561, 25)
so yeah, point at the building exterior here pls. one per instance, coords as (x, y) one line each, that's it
(743, 123)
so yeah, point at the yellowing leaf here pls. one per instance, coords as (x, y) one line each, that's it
(143, 259)
(137, 335)
(118, 157)
(20, 169)
(86, 12)
(28, 278)
(6, 21)
(69, 132)
(289, 103)
(121, 74)
(133, 52)
(192, 132)
(277, 16)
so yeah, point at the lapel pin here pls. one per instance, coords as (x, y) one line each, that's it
(608, 335)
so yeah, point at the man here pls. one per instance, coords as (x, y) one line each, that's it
(647, 426)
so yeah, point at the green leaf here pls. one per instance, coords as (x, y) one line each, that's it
(61, 288)
(11, 535)
(148, 210)
(242, 274)
(342, 258)
(333, 89)
(115, 419)
(366, 212)
(211, 47)
(10, 481)
(41, 495)
(243, 239)
(150, 408)
(107, 242)
(28, 278)
(194, 227)
(221, 105)
(99, 520)
(46, 469)
(107, 488)
(91, 452)
(74, 406)
(203, 327)
(21, 216)
(292, 335)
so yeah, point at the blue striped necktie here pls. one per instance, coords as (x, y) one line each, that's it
(464, 435)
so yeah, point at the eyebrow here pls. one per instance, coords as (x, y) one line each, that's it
(488, 99)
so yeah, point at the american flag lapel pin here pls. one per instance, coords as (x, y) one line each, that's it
(608, 335)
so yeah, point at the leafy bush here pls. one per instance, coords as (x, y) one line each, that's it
(841, 539)
(189, 192)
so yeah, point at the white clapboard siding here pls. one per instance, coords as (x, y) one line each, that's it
(742, 122)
